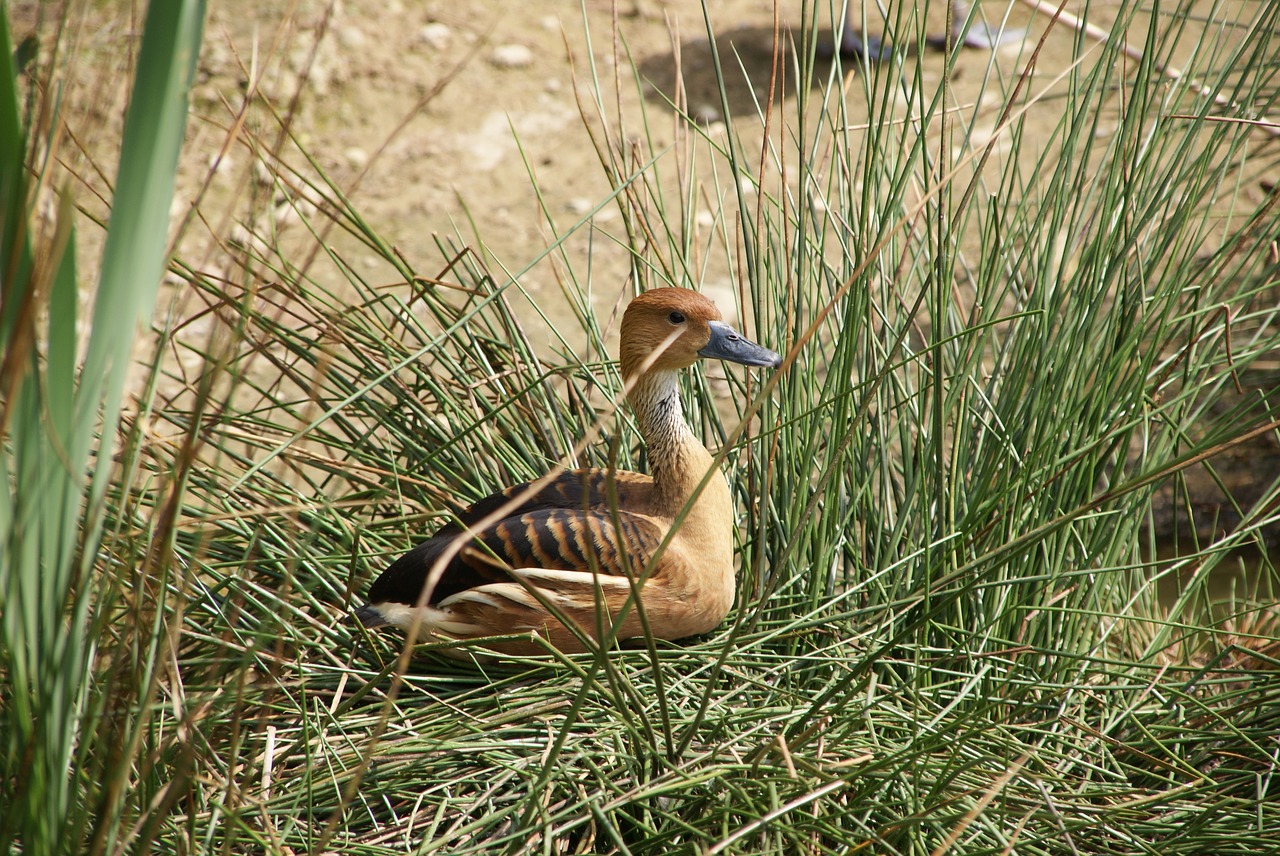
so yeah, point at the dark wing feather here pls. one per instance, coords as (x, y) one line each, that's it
(576, 489)
(568, 525)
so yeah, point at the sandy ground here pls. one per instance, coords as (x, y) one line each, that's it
(437, 118)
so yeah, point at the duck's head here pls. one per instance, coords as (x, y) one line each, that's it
(666, 329)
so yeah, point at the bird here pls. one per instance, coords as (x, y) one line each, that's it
(593, 547)
(978, 34)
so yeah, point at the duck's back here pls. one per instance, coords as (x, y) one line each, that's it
(582, 520)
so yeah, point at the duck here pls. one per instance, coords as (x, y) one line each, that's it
(584, 545)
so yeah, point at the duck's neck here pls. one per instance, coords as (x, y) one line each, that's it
(677, 461)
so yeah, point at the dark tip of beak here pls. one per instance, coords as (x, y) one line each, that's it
(370, 617)
(728, 344)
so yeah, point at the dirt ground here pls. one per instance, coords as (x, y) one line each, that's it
(437, 117)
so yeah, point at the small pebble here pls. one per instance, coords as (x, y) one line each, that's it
(435, 36)
(578, 206)
(357, 158)
(352, 38)
(221, 164)
(511, 56)
(705, 114)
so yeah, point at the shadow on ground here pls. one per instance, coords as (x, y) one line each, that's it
(746, 55)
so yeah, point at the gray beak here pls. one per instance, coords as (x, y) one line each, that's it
(729, 345)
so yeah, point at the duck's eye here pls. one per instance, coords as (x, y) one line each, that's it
(676, 318)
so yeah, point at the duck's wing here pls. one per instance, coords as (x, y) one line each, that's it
(579, 522)
(571, 489)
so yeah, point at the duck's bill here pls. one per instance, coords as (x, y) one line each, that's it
(728, 344)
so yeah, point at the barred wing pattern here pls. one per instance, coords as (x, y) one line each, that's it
(568, 525)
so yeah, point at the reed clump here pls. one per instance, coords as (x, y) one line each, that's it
(1006, 323)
